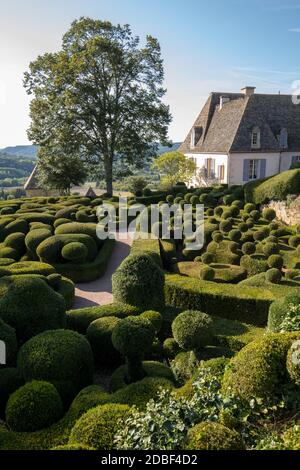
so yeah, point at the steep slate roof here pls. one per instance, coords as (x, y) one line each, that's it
(229, 129)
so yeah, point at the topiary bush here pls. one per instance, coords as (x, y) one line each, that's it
(133, 337)
(30, 306)
(61, 357)
(154, 317)
(213, 436)
(275, 261)
(279, 309)
(192, 330)
(139, 281)
(267, 374)
(33, 406)
(98, 426)
(99, 334)
(10, 380)
(254, 264)
(207, 274)
(225, 226)
(294, 241)
(208, 258)
(293, 363)
(171, 348)
(273, 275)
(248, 248)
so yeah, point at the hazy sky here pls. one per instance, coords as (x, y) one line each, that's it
(207, 45)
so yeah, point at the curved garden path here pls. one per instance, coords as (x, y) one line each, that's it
(99, 292)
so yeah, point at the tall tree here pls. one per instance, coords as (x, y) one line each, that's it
(174, 167)
(101, 93)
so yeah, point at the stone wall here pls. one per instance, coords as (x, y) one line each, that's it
(287, 211)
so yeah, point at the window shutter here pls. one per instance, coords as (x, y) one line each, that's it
(263, 163)
(246, 170)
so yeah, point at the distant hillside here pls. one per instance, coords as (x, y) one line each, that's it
(20, 151)
(15, 169)
(162, 149)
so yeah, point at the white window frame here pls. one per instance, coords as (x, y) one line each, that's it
(255, 138)
(254, 169)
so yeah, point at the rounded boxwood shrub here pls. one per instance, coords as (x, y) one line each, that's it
(254, 264)
(271, 239)
(268, 214)
(8, 336)
(154, 317)
(98, 426)
(133, 337)
(218, 211)
(293, 362)
(234, 210)
(35, 237)
(235, 235)
(255, 215)
(243, 227)
(227, 214)
(210, 212)
(171, 348)
(258, 235)
(249, 207)
(139, 281)
(225, 226)
(10, 380)
(33, 406)
(294, 241)
(279, 309)
(30, 306)
(75, 251)
(233, 247)
(228, 200)
(170, 198)
(207, 274)
(213, 436)
(62, 357)
(270, 249)
(275, 261)
(217, 237)
(192, 330)
(267, 373)
(273, 275)
(250, 222)
(248, 248)
(238, 203)
(212, 247)
(99, 334)
(208, 258)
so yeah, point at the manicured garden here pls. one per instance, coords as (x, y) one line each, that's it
(197, 350)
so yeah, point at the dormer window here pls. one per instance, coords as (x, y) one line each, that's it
(196, 135)
(255, 138)
(283, 138)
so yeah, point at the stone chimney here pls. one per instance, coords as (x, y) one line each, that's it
(248, 90)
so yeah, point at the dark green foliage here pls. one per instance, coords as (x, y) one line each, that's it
(75, 251)
(171, 348)
(139, 281)
(268, 214)
(8, 336)
(228, 199)
(218, 211)
(207, 274)
(254, 264)
(275, 261)
(99, 334)
(10, 380)
(247, 304)
(133, 337)
(259, 369)
(279, 309)
(234, 235)
(217, 237)
(271, 249)
(248, 248)
(213, 436)
(98, 426)
(68, 357)
(208, 258)
(273, 275)
(249, 207)
(192, 330)
(276, 188)
(79, 320)
(154, 317)
(294, 241)
(30, 306)
(258, 235)
(255, 215)
(35, 237)
(50, 250)
(225, 226)
(34, 406)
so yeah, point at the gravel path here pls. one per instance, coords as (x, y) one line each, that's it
(99, 292)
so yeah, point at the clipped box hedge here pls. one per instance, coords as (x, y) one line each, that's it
(246, 304)
(276, 188)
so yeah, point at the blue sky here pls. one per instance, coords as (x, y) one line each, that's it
(215, 45)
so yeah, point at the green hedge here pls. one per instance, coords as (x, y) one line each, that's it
(276, 188)
(148, 247)
(246, 304)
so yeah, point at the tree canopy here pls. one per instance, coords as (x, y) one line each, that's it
(100, 96)
(174, 167)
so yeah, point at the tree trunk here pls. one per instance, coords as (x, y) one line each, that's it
(108, 175)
